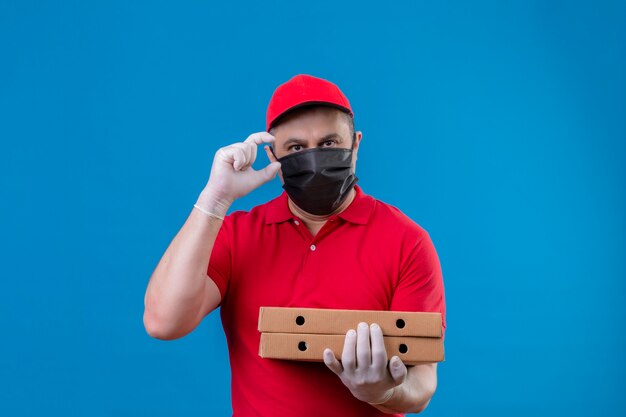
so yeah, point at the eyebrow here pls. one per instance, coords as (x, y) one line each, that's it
(299, 141)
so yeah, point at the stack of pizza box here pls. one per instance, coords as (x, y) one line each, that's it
(303, 333)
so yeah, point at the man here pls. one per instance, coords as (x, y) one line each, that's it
(323, 243)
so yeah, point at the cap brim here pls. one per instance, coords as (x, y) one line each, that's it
(307, 104)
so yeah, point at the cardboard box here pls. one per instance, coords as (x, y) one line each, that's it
(310, 347)
(303, 333)
(330, 321)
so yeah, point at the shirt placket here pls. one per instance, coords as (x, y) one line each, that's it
(313, 242)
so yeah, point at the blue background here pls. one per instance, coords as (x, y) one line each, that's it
(500, 128)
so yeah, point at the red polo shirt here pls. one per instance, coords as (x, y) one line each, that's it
(369, 257)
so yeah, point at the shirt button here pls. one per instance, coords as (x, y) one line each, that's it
(313, 247)
(297, 223)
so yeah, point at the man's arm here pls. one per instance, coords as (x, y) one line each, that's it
(420, 288)
(180, 293)
(414, 394)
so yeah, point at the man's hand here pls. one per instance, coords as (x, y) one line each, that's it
(232, 175)
(363, 369)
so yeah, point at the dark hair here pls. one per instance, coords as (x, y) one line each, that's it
(347, 117)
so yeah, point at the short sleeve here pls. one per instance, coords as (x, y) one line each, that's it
(219, 268)
(420, 285)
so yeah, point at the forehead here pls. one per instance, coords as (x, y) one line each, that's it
(311, 122)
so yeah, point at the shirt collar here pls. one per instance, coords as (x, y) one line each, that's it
(358, 212)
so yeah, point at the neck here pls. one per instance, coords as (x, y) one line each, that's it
(315, 222)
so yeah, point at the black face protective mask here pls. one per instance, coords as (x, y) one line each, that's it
(318, 180)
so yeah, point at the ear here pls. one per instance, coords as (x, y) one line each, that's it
(358, 135)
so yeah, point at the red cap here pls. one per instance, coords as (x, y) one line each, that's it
(304, 90)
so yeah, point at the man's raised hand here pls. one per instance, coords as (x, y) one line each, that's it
(232, 175)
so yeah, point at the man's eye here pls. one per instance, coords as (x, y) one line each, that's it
(329, 143)
(295, 148)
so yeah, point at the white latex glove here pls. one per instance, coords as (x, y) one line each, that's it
(232, 175)
(363, 368)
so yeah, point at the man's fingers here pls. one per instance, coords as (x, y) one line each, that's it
(348, 359)
(269, 153)
(259, 137)
(398, 370)
(253, 149)
(233, 155)
(260, 177)
(269, 172)
(363, 349)
(331, 362)
(247, 150)
(249, 147)
(379, 352)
